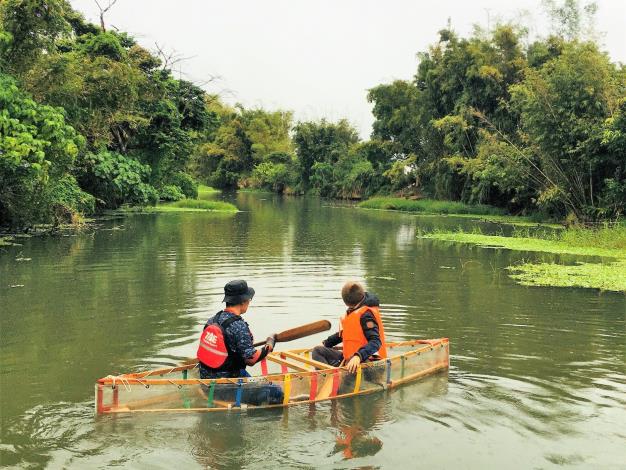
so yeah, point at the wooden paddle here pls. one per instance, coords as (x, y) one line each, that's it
(300, 332)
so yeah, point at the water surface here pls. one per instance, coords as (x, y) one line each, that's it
(537, 376)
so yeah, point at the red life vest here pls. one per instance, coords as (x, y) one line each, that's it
(212, 350)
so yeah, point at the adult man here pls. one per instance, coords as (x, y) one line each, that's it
(238, 341)
(361, 332)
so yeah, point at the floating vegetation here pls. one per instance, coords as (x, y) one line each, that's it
(603, 276)
(606, 242)
(6, 241)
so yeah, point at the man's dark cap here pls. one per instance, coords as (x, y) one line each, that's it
(237, 292)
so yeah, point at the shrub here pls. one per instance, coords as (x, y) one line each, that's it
(115, 180)
(171, 192)
(37, 150)
(273, 176)
(186, 184)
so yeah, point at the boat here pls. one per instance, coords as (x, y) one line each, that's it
(296, 377)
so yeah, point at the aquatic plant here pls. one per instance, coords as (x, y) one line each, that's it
(608, 242)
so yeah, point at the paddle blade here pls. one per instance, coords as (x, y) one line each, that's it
(302, 331)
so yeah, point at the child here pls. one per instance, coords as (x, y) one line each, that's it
(361, 332)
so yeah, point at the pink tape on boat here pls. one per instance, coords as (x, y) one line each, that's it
(313, 391)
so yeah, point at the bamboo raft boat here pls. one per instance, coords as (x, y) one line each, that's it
(298, 379)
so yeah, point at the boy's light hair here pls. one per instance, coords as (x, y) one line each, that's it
(352, 293)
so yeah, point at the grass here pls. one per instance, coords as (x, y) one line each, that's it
(452, 208)
(607, 242)
(429, 206)
(184, 205)
(197, 205)
(204, 190)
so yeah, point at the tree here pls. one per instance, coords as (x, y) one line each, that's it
(564, 108)
(569, 19)
(31, 29)
(37, 151)
(321, 142)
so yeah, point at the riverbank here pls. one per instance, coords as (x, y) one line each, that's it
(608, 243)
(451, 208)
(184, 205)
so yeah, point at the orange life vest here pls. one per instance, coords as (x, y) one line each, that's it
(352, 332)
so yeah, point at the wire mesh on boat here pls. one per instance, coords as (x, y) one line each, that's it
(282, 379)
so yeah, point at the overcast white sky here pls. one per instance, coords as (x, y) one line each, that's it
(317, 57)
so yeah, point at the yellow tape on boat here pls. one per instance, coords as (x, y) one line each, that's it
(287, 389)
(357, 383)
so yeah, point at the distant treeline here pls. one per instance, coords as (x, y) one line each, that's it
(90, 120)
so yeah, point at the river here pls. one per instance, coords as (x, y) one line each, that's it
(537, 376)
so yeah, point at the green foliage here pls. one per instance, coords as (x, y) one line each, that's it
(273, 176)
(397, 112)
(354, 176)
(485, 120)
(564, 109)
(37, 151)
(320, 143)
(402, 173)
(102, 44)
(489, 121)
(186, 184)
(500, 174)
(170, 192)
(140, 124)
(227, 174)
(30, 29)
(115, 180)
(244, 140)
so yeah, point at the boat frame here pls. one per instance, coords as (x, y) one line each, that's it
(414, 359)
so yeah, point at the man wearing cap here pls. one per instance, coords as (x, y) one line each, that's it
(239, 344)
(362, 332)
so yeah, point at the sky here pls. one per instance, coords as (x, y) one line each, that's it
(317, 58)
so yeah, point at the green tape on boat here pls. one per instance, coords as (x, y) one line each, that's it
(211, 391)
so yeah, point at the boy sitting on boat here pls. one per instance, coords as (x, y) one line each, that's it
(361, 331)
(226, 348)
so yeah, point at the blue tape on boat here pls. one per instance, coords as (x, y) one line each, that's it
(239, 392)
(388, 371)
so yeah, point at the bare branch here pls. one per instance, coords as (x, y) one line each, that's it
(103, 11)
